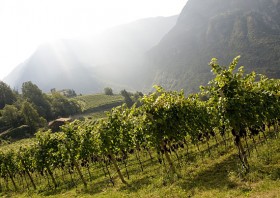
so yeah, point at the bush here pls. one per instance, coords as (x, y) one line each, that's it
(108, 91)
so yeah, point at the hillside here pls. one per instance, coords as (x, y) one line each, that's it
(221, 29)
(114, 58)
(89, 102)
(203, 175)
(55, 65)
(95, 105)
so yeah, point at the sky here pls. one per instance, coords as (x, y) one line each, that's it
(25, 24)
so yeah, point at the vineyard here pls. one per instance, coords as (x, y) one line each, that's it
(88, 102)
(168, 132)
(94, 106)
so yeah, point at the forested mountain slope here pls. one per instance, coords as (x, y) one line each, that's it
(221, 29)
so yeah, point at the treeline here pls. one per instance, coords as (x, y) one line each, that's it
(33, 107)
(233, 106)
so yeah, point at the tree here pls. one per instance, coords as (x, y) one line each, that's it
(69, 93)
(136, 97)
(11, 116)
(61, 106)
(127, 98)
(31, 116)
(108, 91)
(6, 95)
(34, 95)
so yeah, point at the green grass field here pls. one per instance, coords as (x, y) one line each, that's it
(208, 173)
(89, 102)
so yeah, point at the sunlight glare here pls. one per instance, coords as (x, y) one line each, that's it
(25, 24)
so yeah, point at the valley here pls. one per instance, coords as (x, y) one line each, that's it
(185, 105)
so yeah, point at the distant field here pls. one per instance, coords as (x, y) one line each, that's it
(89, 102)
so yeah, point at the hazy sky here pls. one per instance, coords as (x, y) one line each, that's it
(24, 24)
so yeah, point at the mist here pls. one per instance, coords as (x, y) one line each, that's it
(116, 58)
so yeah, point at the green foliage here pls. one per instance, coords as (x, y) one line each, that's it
(33, 107)
(242, 102)
(240, 99)
(88, 102)
(69, 93)
(6, 95)
(108, 91)
(116, 131)
(63, 107)
(234, 106)
(11, 116)
(137, 98)
(34, 95)
(127, 98)
(31, 117)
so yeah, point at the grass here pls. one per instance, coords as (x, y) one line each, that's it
(17, 144)
(93, 106)
(89, 102)
(215, 174)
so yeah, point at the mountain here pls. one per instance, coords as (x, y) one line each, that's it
(119, 55)
(114, 58)
(173, 52)
(221, 29)
(53, 66)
